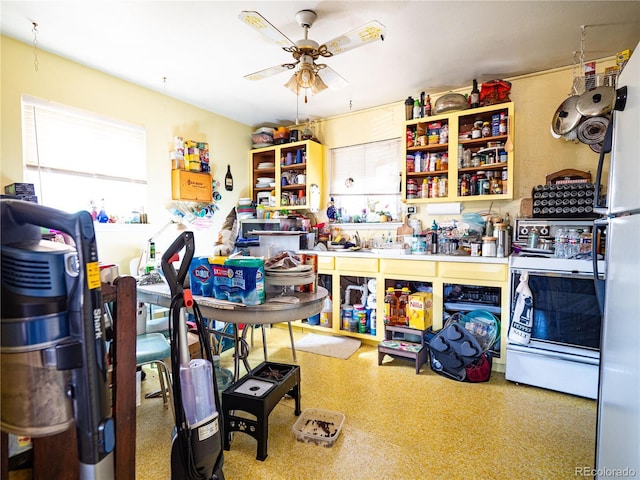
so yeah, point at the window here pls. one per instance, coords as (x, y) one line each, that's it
(366, 178)
(76, 158)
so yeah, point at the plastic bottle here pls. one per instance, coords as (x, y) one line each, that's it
(373, 320)
(326, 313)
(416, 108)
(560, 243)
(403, 300)
(390, 307)
(424, 189)
(573, 243)
(408, 105)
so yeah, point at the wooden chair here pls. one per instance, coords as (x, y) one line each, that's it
(56, 456)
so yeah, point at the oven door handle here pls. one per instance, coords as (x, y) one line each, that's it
(549, 273)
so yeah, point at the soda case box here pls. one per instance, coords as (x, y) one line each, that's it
(420, 310)
(239, 280)
(201, 276)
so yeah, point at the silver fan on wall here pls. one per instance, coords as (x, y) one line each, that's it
(306, 51)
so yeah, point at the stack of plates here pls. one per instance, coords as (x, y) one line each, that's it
(263, 182)
(265, 165)
(300, 275)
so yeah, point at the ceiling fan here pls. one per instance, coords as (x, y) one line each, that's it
(306, 51)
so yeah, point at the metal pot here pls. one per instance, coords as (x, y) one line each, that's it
(592, 130)
(450, 102)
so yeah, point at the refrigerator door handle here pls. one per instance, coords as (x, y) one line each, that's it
(606, 148)
(598, 226)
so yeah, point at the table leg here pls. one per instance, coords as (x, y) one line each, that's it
(241, 351)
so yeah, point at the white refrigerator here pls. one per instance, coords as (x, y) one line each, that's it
(618, 423)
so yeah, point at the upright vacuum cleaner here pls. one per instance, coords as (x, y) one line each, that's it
(196, 450)
(53, 351)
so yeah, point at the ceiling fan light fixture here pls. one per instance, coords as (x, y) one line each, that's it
(318, 85)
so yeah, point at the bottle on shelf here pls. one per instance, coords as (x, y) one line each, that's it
(427, 106)
(102, 214)
(422, 104)
(373, 320)
(560, 243)
(408, 107)
(573, 243)
(474, 99)
(416, 109)
(390, 307)
(424, 189)
(403, 300)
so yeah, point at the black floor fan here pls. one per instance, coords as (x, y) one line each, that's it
(196, 450)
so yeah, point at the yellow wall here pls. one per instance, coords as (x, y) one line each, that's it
(59, 80)
(537, 153)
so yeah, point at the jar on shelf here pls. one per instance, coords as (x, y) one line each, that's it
(410, 163)
(495, 186)
(412, 188)
(476, 131)
(466, 158)
(486, 129)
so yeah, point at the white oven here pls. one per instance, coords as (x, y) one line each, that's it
(564, 351)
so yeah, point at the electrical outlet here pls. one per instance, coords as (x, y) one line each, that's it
(412, 209)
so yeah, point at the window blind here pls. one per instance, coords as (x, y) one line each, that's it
(75, 157)
(365, 179)
(374, 168)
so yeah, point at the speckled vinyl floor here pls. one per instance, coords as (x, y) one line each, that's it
(398, 425)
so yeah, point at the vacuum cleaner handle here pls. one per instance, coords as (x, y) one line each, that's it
(21, 221)
(175, 280)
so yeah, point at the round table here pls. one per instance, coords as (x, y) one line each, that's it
(270, 312)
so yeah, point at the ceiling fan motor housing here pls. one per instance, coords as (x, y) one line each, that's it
(305, 18)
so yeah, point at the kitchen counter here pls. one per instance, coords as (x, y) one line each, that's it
(399, 256)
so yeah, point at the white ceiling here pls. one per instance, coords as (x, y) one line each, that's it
(203, 49)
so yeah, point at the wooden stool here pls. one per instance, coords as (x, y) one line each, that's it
(258, 393)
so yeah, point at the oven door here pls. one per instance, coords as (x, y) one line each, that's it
(563, 353)
(566, 316)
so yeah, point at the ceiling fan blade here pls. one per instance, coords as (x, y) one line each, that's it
(258, 22)
(268, 72)
(369, 32)
(332, 79)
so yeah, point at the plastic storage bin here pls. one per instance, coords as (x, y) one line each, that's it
(318, 426)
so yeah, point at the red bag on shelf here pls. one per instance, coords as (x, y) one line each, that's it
(495, 91)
